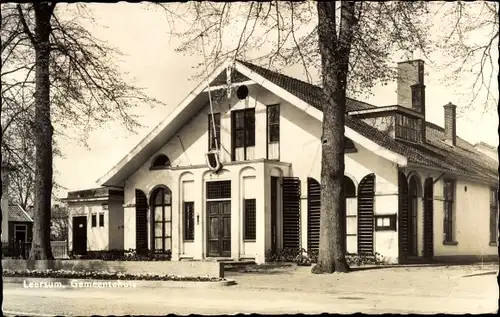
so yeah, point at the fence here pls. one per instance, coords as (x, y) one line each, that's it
(21, 250)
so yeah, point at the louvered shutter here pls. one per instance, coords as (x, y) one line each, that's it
(366, 193)
(291, 213)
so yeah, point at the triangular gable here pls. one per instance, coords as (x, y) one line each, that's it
(181, 114)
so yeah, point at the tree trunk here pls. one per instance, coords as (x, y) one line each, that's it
(40, 248)
(335, 65)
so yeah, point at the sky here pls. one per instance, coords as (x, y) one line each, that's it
(150, 61)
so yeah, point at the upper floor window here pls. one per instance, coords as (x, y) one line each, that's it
(161, 161)
(273, 132)
(243, 134)
(408, 128)
(213, 139)
(493, 216)
(273, 123)
(449, 202)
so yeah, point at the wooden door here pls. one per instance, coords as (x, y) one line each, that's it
(80, 235)
(219, 228)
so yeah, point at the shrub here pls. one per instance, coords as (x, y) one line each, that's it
(122, 255)
(302, 257)
(104, 275)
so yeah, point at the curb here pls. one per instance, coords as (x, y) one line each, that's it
(30, 282)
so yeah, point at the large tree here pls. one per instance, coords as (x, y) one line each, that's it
(349, 43)
(65, 80)
(469, 44)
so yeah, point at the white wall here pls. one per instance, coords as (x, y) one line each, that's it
(472, 210)
(299, 145)
(97, 237)
(471, 217)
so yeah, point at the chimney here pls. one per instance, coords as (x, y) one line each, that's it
(450, 124)
(411, 88)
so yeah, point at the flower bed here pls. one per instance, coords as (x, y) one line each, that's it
(103, 275)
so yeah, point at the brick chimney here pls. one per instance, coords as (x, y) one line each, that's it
(450, 124)
(411, 88)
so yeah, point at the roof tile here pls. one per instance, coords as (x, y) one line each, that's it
(463, 158)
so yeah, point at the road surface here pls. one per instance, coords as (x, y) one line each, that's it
(229, 300)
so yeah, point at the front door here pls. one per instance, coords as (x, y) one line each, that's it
(219, 228)
(80, 235)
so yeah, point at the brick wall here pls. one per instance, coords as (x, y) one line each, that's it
(188, 268)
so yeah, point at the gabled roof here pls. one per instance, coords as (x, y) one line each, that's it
(18, 214)
(194, 103)
(463, 158)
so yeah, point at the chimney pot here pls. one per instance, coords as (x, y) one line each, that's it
(450, 123)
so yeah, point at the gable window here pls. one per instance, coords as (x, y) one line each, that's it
(101, 220)
(189, 221)
(160, 161)
(249, 218)
(408, 128)
(94, 220)
(493, 216)
(449, 199)
(243, 134)
(273, 132)
(213, 139)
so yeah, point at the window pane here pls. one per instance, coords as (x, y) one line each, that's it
(101, 220)
(158, 197)
(158, 211)
(239, 120)
(250, 137)
(274, 133)
(168, 213)
(250, 219)
(158, 229)
(159, 244)
(189, 221)
(273, 114)
(94, 220)
(239, 138)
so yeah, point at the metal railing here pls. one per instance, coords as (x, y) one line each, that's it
(21, 250)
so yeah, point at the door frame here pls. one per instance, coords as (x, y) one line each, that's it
(25, 231)
(74, 231)
(207, 229)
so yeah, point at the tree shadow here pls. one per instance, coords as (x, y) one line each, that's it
(401, 266)
(481, 274)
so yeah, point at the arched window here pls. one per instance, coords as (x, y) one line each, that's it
(161, 220)
(161, 161)
(349, 188)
